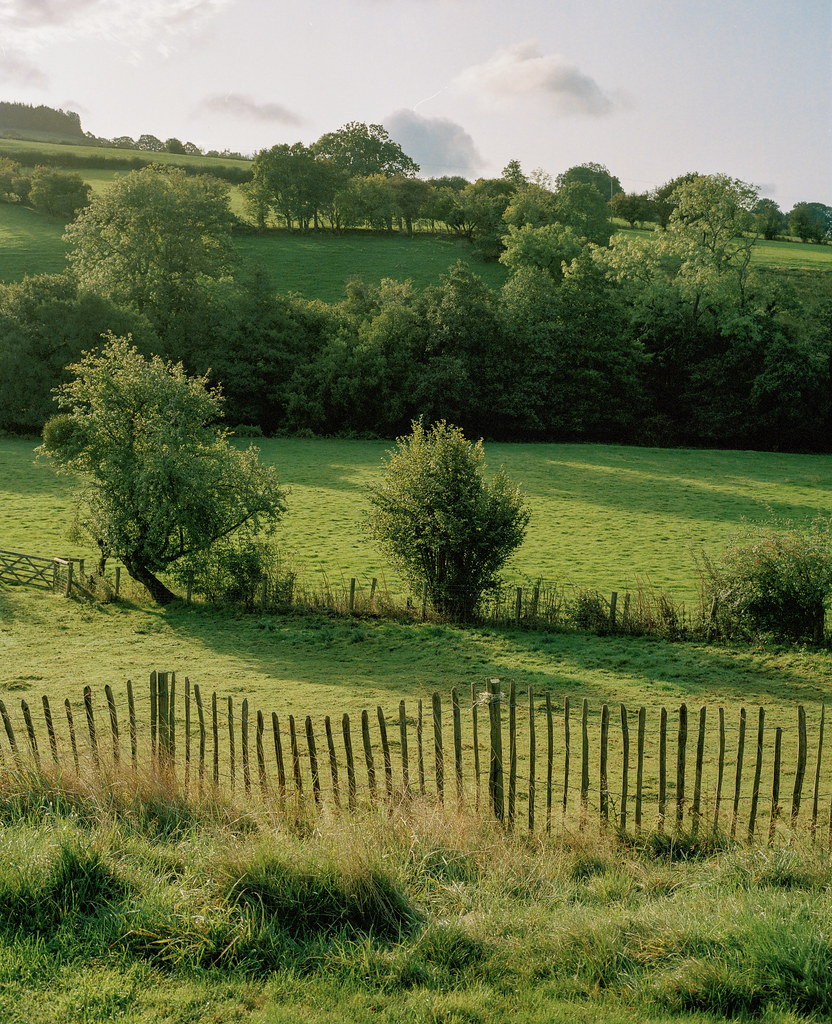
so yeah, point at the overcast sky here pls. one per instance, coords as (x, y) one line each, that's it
(651, 88)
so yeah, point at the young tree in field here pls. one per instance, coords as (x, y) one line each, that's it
(59, 193)
(441, 522)
(162, 480)
(151, 237)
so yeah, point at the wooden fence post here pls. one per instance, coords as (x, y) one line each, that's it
(738, 776)
(662, 768)
(30, 731)
(518, 607)
(111, 706)
(532, 753)
(70, 724)
(215, 731)
(495, 772)
(345, 728)
(244, 745)
(368, 755)
(261, 754)
(68, 591)
(424, 601)
(584, 762)
(164, 720)
(352, 595)
(567, 746)
(457, 724)
(438, 752)
(642, 729)
(800, 772)
(681, 755)
(278, 757)
(697, 782)
(313, 761)
(758, 769)
(720, 768)
(816, 787)
(50, 729)
(613, 604)
(333, 762)
(385, 753)
(625, 769)
(512, 750)
(476, 739)
(118, 580)
(293, 743)
(775, 786)
(603, 781)
(187, 732)
(403, 745)
(200, 713)
(550, 760)
(91, 727)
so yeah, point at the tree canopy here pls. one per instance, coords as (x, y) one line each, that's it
(150, 237)
(162, 481)
(442, 523)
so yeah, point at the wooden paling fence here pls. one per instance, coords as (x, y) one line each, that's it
(629, 770)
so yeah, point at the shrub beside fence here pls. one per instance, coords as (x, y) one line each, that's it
(632, 770)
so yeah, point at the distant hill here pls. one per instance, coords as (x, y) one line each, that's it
(26, 121)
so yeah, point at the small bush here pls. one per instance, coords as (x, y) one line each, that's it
(773, 581)
(234, 572)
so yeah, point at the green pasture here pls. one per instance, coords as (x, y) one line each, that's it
(603, 516)
(12, 148)
(30, 243)
(319, 266)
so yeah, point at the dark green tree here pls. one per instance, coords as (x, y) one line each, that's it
(442, 522)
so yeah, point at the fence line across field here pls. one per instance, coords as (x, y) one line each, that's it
(607, 764)
(540, 602)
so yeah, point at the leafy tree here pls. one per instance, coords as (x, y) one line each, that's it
(633, 207)
(163, 482)
(46, 322)
(581, 206)
(811, 222)
(411, 196)
(14, 185)
(597, 175)
(59, 193)
(531, 204)
(441, 522)
(360, 150)
(150, 237)
(547, 248)
(769, 220)
(664, 197)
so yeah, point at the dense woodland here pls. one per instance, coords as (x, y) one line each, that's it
(663, 338)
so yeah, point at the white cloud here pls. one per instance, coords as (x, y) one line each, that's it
(524, 71)
(30, 23)
(439, 146)
(237, 105)
(19, 70)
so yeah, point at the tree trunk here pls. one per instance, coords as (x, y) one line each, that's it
(152, 584)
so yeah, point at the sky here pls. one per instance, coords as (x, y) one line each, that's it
(650, 88)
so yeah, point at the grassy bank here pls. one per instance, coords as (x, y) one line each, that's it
(150, 910)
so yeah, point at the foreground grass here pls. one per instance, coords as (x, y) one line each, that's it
(126, 904)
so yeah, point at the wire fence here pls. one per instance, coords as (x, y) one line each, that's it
(516, 757)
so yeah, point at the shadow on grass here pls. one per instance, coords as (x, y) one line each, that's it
(372, 659)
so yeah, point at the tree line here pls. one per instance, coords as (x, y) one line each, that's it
(671, 338)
